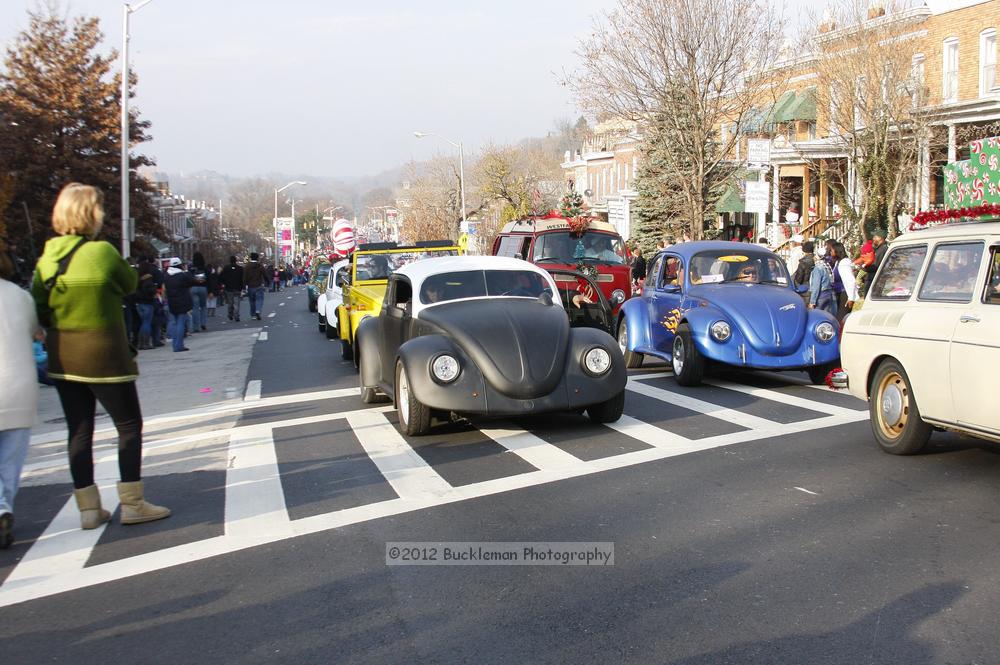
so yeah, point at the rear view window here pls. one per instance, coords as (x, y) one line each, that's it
(898, 276)
(479, 283)
(951, 276)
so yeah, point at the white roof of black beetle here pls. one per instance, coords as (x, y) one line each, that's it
(420, 270)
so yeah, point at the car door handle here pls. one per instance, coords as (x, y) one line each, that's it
(968, 318)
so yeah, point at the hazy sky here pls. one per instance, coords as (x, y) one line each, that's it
(337, 88)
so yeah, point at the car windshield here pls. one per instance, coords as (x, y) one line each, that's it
(383, 264)
(592, 247)
(479, 283)
(719, 266)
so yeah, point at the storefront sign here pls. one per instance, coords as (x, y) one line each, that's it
(758, 152)
(758, 197)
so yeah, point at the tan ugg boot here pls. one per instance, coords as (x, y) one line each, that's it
(88, 500)
(135, 510)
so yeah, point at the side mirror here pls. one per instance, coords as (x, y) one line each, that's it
(343, 279)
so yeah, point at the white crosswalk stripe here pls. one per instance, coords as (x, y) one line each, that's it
(255, 510)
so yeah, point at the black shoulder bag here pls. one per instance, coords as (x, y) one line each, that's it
(50, 283)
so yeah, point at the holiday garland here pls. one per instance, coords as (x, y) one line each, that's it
(928, 218)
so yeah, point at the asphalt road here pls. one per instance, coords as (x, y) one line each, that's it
(753, 521)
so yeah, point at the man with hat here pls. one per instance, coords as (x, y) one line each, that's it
(878, 244)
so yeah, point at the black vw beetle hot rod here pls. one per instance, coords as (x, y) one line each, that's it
(484, 336)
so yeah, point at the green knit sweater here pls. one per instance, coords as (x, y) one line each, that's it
(86, 339)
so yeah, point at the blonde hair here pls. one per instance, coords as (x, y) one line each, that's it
(79, 210)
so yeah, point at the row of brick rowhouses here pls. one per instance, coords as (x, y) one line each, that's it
(954, 60)
(196, 226)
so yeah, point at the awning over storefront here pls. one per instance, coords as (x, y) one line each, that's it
(753, 122)
(780, 106)
(731, 200)
(802, 107)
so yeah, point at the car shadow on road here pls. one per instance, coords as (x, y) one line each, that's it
(884, 635)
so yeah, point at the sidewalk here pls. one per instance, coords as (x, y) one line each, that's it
(214, 370)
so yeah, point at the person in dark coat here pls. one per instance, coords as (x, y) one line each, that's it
(179, 301)
(150, 279)
(232, 286)
(806, 264)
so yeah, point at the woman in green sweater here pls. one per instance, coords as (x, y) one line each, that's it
(78, 289)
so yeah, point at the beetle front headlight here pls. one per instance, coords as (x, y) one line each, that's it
(825, 332)
(596, 361)
(721, 331)
(445, 368)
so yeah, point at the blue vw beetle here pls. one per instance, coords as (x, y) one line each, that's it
(728, 302)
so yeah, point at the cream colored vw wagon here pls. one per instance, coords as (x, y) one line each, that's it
(925, 348)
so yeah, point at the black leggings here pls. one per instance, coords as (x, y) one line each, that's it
(121, 401)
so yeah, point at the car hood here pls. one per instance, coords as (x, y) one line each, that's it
(772, 318)
(518, 344)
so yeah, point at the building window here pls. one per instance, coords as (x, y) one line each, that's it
(949, 69)
(917, 80)
(987, 61)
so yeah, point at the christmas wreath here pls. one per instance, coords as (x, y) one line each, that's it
(587, 269)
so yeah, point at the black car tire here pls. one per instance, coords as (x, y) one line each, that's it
(632, 359)
(346, 350)
(608, 411)
(331, 331)
(322, 323)
(689, 367)
(818, 373)
(414, 417)
(312, 305)
(895, 417)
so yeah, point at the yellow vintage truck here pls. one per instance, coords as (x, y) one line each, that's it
(371, 265)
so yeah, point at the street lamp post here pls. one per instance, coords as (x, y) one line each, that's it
(274, 223)
(127, 10)
(461, 171)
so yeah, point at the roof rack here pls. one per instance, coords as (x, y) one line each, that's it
(434, 243)
(369, 246)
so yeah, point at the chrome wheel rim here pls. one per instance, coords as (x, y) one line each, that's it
(404, 398)
(893, 407)
(623, 338)
(677, 355)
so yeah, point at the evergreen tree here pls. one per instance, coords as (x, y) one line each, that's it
(571, 205)
(661, 208)
(59, 123)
